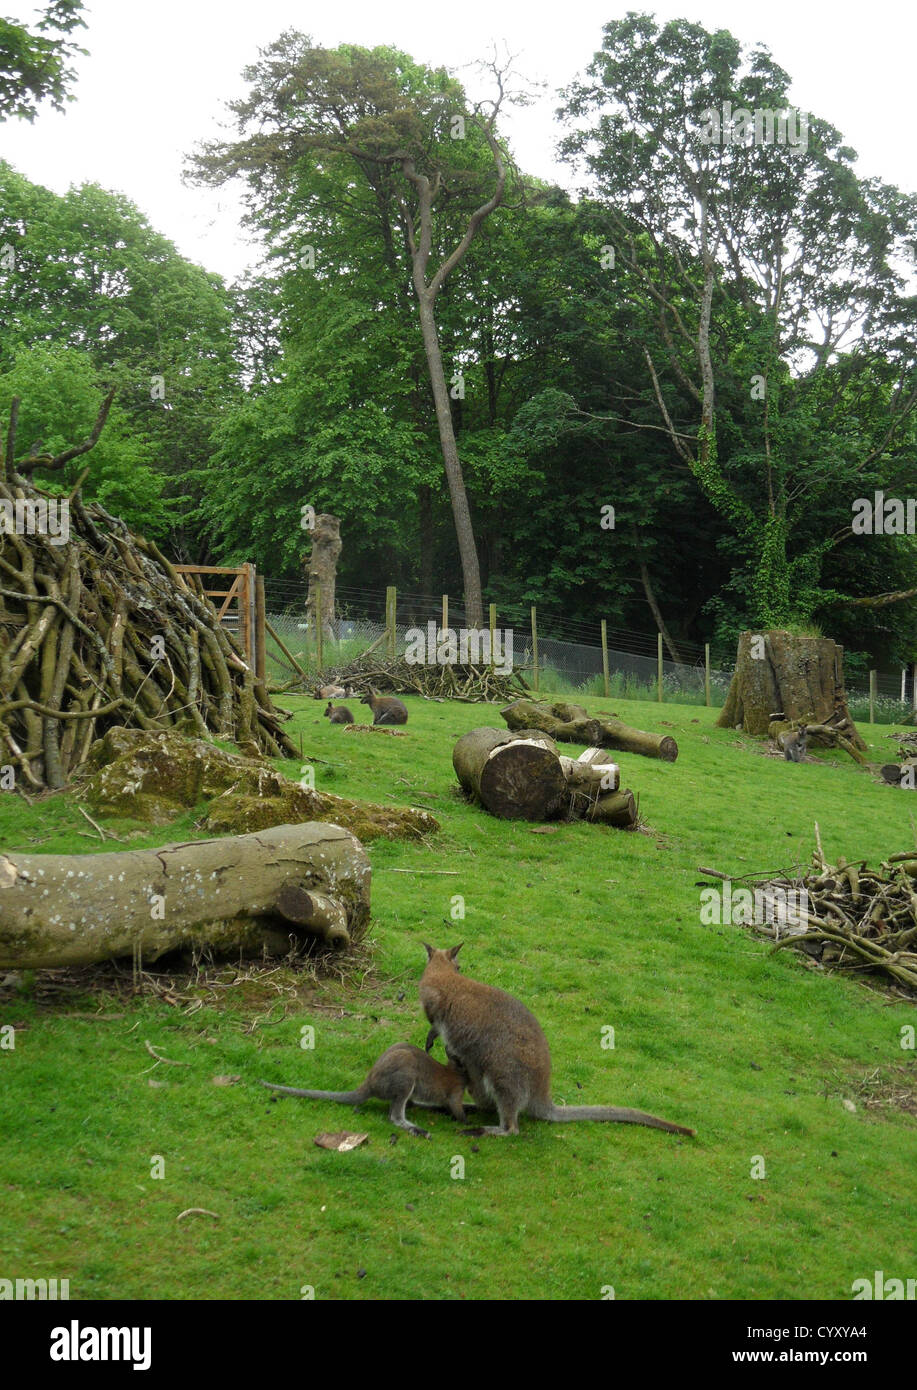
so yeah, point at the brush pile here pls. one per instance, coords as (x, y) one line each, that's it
(98, 629)
(472, 684)
(845, 916)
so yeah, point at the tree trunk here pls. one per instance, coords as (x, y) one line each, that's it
(471, 572)
(571, 724)
(246, 893)
(781, 676)
(322, 570)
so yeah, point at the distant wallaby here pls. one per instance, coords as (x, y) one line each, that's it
(386, 709)
(402, 1074)
(333, 692)
(339, 714)
(500, 1048)
(794, 745)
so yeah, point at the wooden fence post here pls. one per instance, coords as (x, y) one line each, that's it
(605, 657)
(659, 667)
(492, 625)
(872, 697)
(707, 674)
(534, 649)
(260, 631)
(391, 618)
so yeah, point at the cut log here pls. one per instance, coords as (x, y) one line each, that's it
(617, 808)
(591, 772)
(246, 893)
(900, 774)
(521, 776)
(572, 724)
(780, 676)
(513, 778)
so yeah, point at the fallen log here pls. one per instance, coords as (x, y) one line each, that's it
(513, 778)
(245, 894)
(522, 776)
(572, 724)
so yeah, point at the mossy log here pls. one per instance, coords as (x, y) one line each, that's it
(572, 724)
(247, 894)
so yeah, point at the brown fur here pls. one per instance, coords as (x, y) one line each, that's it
(498, 1044)
(338, 715)
(795, 745)
(386, 709)
(402, 1074)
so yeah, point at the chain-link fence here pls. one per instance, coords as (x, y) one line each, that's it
(569, 656)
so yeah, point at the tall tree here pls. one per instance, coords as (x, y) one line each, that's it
(751, 258)
(391, 125)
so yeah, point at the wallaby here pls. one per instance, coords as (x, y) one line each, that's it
(332, 692)
(794, 745)
(386, 709)
(499, 1046)
(404, 1073)
(338, 715)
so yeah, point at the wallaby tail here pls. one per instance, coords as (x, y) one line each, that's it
(561, 1114)
(345, 1097)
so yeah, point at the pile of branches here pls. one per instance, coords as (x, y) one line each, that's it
(97, 628)
(852, 918)
(399, 677)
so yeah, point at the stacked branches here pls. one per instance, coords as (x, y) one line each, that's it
(97, 628)
(469, 683)
(854, 918)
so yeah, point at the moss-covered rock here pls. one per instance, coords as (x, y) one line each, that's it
(154, 777)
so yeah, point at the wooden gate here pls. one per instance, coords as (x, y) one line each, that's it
(239, 601)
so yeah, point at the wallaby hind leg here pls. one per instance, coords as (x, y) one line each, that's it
(397, 1116)
(509, 1121)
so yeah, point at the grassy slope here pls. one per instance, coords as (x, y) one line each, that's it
(589, 926)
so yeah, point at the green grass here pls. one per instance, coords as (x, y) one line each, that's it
(590, 927)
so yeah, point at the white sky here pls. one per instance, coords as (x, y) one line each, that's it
(158, 76)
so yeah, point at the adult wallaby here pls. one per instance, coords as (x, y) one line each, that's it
(386, 709)
(338, 715)
(404, 1073)
(794, 745)
(333, 692)
(499, 1046)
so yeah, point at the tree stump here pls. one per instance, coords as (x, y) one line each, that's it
(781, 677)
(245, 893)
(321, 567)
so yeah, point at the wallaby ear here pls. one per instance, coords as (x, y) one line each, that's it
(454, 950)
(428, 949)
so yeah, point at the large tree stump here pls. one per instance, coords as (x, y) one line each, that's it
(321, 566)
(779, 676)
(522, 776)
(572, 724)
(245, 893)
